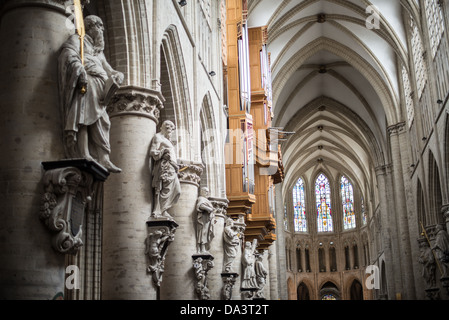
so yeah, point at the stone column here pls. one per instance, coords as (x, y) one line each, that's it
(31, 34)
(397, 142)
(128, 196)
(216, 248)
(280, 244)
(272, 265)
(179, 276)
(387, 222)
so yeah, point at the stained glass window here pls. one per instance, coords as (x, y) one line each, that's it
(299, 215)
(328, 297)
(323, 204)
(347, 198)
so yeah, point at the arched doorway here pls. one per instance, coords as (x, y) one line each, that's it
(329, 291)
(356, 290)
(302, 292)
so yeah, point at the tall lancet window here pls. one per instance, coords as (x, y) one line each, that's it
(347, 198)
(435, 23)
(299, 213)
(323, 204)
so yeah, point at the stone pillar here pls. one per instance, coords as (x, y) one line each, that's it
(179, 276)
(216, 248)
(128, 196)
(31, 34)
(280, 244)
(388, 230)
(272, 265)
(397, 140)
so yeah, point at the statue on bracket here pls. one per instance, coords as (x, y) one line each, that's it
(249, 281)
(441, 248)
(231, 239)
(86, 84)
(166, 185)
(205, 218)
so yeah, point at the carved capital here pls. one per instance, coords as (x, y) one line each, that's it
(202, 264)
(67, 192)
(136, 101)
(190, 173)
(161, 233)
(220, 206)
(396, 128)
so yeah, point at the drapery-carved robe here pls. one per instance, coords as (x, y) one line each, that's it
(84, 109)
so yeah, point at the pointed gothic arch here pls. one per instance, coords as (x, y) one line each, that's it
(210, 149)
(435, 195)
(175, 89)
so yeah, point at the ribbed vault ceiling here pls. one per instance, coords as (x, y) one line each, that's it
(335, 81)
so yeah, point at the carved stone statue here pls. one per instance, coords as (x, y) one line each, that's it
(157, 242)
(167, 188)
(205, 217)
(248, 261)
(86, 124)
(441, 248)
(231, 239)
(261, 275)
(427, 260)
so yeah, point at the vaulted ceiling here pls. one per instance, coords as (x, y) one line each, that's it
(335, 81)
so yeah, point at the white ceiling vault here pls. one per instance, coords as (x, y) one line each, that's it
(335, 81)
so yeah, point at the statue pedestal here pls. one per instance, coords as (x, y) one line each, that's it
(248, 293)
(98, 172)
(161, 232)
(202, 264)
(69, 186)
(229, 279)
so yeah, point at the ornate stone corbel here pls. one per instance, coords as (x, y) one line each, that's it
(229, 280)
(161, 233)
(201, 265)
(190, 173)
(220, 206)
(68, 188)
(136, 101)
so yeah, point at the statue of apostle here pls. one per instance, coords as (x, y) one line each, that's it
(166, 186)
(84, 84)
(205, 217)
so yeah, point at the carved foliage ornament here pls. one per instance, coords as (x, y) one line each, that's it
(133, 102)
(67, 192)
(201, 266)
(190, 173)
(160, 235)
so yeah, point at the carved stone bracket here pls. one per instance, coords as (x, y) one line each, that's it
(161, 233)
(136, 101)
(201, 265)
(190, 173)
(220, 206)
(68, 188)
(229, 280)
